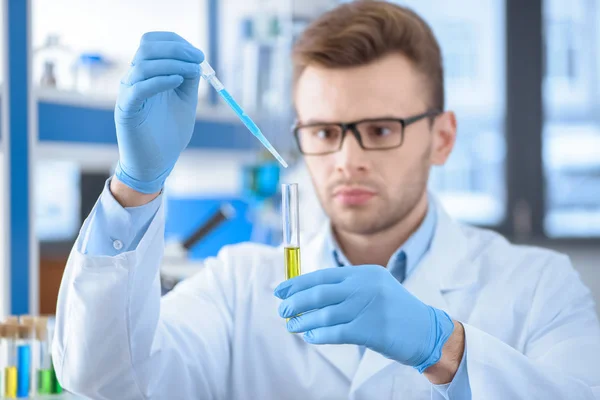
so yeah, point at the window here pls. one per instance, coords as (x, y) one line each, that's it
(571, 134)
(472, 185)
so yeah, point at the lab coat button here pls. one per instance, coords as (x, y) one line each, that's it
(117, 244)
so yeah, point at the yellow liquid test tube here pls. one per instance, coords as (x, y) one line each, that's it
(10, 334)
(291, 230)
(10, 382)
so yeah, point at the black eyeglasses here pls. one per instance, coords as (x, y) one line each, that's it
(371, 134)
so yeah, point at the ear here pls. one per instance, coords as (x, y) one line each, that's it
(444, 137)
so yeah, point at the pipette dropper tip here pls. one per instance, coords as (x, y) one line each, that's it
(279, 158)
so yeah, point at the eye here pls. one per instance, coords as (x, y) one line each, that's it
(326, 132)
(381, 130)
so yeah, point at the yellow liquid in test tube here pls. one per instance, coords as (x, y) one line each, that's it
(10, 382)
(292, 262)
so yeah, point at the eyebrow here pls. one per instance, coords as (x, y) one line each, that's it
(315, 122)
(322, 122)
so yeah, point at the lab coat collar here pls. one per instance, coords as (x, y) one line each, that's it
(444, 268)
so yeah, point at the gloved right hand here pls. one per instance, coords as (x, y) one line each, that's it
(156, 110)
(366, 306)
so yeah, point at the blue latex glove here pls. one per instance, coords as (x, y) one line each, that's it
(365, 305)
(156, 109)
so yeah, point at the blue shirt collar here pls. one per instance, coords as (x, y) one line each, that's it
(411, 252)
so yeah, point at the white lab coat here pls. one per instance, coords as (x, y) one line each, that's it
(530, 325)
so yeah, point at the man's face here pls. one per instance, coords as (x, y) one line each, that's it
(365, 192)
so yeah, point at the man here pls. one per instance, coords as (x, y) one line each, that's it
(397, 300)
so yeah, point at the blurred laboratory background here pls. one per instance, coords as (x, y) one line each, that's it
(522, 77)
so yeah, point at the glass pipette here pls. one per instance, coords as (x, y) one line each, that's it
(208, 73)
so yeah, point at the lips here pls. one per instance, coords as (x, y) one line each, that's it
(353, 196)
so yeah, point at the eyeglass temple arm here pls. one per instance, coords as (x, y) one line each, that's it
(432, 113)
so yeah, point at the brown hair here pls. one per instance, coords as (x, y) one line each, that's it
(363, 31)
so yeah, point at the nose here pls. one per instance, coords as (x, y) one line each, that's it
(351, 158)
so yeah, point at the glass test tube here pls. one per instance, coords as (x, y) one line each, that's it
(291, 229)
(44, 372)
(11, 334)
(56, 387)
(24, 346)
(31, 321)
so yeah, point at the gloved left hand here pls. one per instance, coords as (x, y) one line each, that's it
(365, 305)
(155, 111)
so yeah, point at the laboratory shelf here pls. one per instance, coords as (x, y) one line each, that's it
(78, 118)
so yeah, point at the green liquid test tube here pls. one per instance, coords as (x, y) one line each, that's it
(45, 381)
